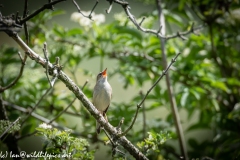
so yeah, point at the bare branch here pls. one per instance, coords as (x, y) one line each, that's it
(20, 56)
(23, 60)
(144, 117)
(79, 9)
(45, 6)
(47, 60)
(25, 13)
(144, 98)
(110, 7)
(142, 21)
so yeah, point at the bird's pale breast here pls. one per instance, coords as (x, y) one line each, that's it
(102, 96)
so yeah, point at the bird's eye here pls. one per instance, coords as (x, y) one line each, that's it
(99, 76)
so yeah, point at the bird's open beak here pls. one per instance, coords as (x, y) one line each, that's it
(104, 73)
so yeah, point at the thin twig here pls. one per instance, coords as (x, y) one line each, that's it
(20, 56)
(119, 130)
(110, 139)
(47, 60)
(56, 69)
(25, 12)
(142, 21)
(144, 98)
(63, 111)
(9, 127)
(120, 125)
(79, 9)
(144, 116)
(23, 60)
(110, 7)
(45, 6)
(40, 100)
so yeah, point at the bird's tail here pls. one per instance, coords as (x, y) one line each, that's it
(98, 126)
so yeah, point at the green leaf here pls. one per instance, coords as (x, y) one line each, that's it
(199, 125)
(74, 31)
(215, 104)
(127, 30)
(196, 94)
(184, 98)
(220, 85)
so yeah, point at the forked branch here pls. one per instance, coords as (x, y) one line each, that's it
(144, 98)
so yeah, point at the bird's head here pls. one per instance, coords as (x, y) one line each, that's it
(102, 75)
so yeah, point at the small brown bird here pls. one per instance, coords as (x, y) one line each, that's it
(102, 94)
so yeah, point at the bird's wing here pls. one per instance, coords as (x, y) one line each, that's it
(104, 112)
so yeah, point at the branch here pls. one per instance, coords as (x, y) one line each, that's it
(172, 99)
(110, 7)
(144, 117)
(79, 9)
(2, 89)
(144, 98)
(25, 12)
(80, 95)
(45, 6)
(126, 8)
(47, 60)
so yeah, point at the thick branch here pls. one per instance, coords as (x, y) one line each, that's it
(80, 95)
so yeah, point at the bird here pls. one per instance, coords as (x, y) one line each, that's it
(102, 95)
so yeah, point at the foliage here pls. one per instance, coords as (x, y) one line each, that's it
(153, 143)
(61, 143)
(4, 125)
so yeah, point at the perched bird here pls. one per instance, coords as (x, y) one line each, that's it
(102, 94)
